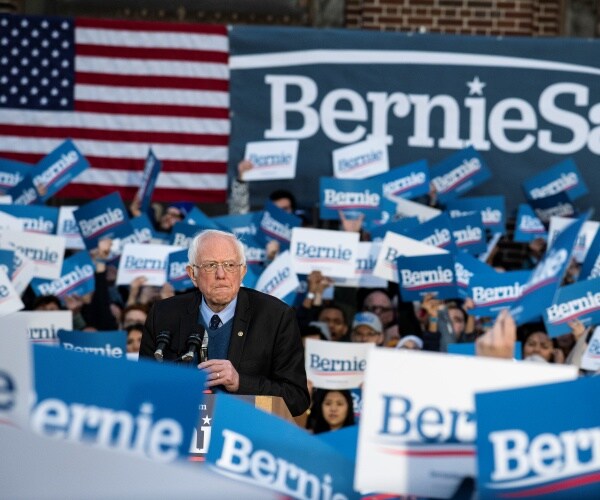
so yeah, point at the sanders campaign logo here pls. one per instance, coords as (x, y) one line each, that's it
(497, 294)
(270, 160)
(422, 280)
(456, 176)
(354, 163)
(132, 263)
(275, 228)
(307, 252)
(403, 184)
(565, 182)
(102, 222)
(10, 179)
(64, 284)
(566, 311)
(345, 200)
(339, 366)
(271, 286)
(531, 224)
(56, 170)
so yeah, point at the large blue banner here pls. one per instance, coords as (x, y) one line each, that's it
(428, 96)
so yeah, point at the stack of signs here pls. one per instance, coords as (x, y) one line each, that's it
(144, 409)
(253, 447)
(545, 448)
(417, 432)
(336, 365)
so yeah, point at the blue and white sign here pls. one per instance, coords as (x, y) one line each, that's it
(7, 261)
(110, 344)
(336, 365)
(41, 327)
(465, 267)
(361, 160)
(67, 228)
(400, 226)
(591, 266)
(76, 278)
(528, 226)
(458, 174)
(242, 226)
(152, 167)
(271, 160)
(351, 196)
(279, 278)
(254, 251)
(408, 208)
(198, 217)
(277, 224)
(11, 173)
(408, 181)
(142, 229)
(557, 205)
(493, 291)
(24, 193)
(331, 252)
(10, 301)
(584, 238)
(144, 408)
(547, 276)
(544, 450)
(468, 349)
(46, 251)
(492, 209)
(147, 260)
(591, 357)
(36, 218)
(426, 274)
(251, 446)
(469, 233)
(366, 259)
(563, 177)
(435, 232)
(23, 270)
(103, 218)
(580, 301)
(177, 275)
(57, 169)
(418, 437)
(183, 233)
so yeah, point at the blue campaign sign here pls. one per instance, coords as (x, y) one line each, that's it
(436, 232)
(555, 205)
(36, 218)
(547, 275)
(183, 233)
(7, 262)
(253, 272)
(24, 193)
(425, 274)
(492, 209)
(469, 233)
(493, 291)
(351, 196)
(468, 349)
(76, 278)
(252, 446)
(546, 449)
(152, 167)
(400, 226)
(408, 181)
(563, 177)
(466, 266)
(528, 226)
(103, 218)
(110, 344)
(142, 228)
(255, 251)
(344, 440)
(580, 301)
(144, 408)
(242, 226)
(198, 217)
(459, 173)
(277, 224)
(176, 270)
(57, 169)
(12, 172)
(591, 266)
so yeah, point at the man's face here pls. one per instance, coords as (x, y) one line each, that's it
(220, 287)
(169, 218)
(366, 334)
(380, 304)
(335, 321)
(285, 204)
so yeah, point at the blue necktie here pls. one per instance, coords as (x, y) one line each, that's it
(214, 322)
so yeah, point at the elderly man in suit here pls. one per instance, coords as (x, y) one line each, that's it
(254, 344)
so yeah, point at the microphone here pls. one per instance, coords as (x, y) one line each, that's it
(162, 339)
(204, 349)
(193, 342)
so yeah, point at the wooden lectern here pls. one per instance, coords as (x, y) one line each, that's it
(270, 404)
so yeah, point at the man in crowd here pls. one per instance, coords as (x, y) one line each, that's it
(254, 344)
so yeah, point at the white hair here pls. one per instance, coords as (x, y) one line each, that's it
(208, 233)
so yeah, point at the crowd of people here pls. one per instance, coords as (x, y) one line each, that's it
(323, 311)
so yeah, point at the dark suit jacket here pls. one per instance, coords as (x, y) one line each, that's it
(265, 346)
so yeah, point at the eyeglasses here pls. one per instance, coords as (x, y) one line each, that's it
(378, 309)
(211, 267)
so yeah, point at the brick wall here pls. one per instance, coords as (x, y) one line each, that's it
(474, 17)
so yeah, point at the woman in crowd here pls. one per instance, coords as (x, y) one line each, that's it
(330, 411)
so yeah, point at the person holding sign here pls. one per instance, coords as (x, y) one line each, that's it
(254, 344)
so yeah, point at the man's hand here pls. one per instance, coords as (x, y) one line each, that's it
(244, 166)
(221, 372)
(499, 341)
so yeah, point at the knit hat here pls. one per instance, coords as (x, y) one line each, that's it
(369, 319)
(404, 340)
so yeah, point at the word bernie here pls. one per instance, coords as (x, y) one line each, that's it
(304, 250)
(102, 222)
(559, 313)
(417, 279)
(55, 170)
(238, 458)
(108, 350)
(68, 281)
(337, 365)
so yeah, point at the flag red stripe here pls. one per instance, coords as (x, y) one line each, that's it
(151, 109)
(115, 135)
(207, 29)
(88, 191)
(208, 56)
(166, 82)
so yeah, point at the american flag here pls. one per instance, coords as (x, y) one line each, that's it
(118, 88)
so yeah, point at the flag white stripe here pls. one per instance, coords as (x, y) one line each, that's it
(105, 121)
(172, 180)
(111, 149)
(142, 95)
(150, 39)
(151, 67)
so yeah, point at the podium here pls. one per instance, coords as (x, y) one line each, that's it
(274, 405)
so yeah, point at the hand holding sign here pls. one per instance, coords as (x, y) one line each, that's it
(499, 341)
